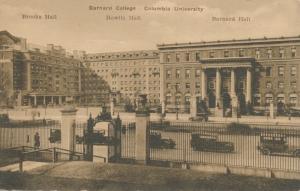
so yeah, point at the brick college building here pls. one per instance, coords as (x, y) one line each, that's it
(33, 75)
(225, 73)
(176, 76)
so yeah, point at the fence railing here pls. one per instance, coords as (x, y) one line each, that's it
(128, 140)
(257, 146)
(235, 145)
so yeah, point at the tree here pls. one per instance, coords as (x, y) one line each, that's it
(4, 88)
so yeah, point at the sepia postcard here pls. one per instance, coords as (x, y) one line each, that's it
(150, 95)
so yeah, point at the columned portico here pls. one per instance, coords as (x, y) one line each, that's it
(228, 75)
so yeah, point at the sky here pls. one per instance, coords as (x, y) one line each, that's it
(78, 28)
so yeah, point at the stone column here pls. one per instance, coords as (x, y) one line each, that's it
(234, 100)
(218, 110)
(142, 133)
(193, 106)
(248, 86)
(203, 84)
(35, 100)
(218, 87)
(68, 124)
(44, 100)
(232, 83)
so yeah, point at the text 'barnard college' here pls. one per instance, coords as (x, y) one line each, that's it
(146, 8)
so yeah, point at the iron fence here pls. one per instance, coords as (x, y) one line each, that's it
(257, 146)
(21, 133)
(128, 141)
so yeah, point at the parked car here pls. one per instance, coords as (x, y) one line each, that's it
(294, 112)
(156, 141)
(276, 144)
(204, 142)
(55, 136)
(200, 117)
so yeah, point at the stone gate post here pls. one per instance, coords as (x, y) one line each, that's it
(68, 125)
(142, 134)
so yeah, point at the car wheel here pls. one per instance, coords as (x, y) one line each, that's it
(266, 151)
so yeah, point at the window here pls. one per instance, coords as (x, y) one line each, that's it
(187, 100)
(293, 52)
(269, 53)
(257, 53)
(177, 86)
(226, 53)
(177, 99)
(187, 85)
(280, 98)
(197, 73)
(168, 99)
(241, 53)
(281, 53)
(187, 57)
(177, 57)
(211, 85)
(211, 54)
(168, 86)
(293, 84)
(268, 71)
(197, 56)
(177, 73)
(293, 70)
(169, 74)
(168, 58)
(197, 85)
(280, 84)
(269, 98)
(281, 71)
(268, 85)
(187, 73)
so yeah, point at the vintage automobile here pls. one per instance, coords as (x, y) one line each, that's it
(276, 144)
(210, 143)
(4, 118)
(200, 117)
(55, 136)
(156, 141)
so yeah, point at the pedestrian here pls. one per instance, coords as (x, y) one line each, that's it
(37, 141)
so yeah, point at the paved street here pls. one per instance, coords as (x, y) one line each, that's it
(245, 153)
